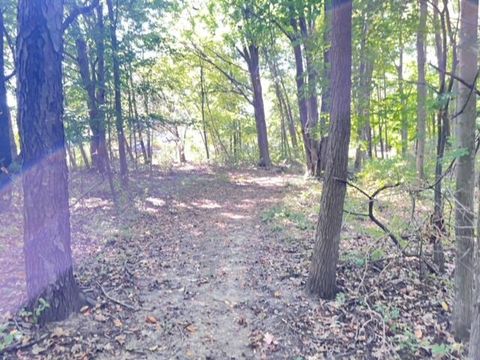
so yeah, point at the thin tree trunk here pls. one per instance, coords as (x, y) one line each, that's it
(465, 182)
(401, 92)
(118, 96)
(421, 90)
(5, 123)
(251, 55)
(89, 86)
(302, 98)
(322, 277)
(291, 122)
(101, 103)
(363, 96)
(86, 163)
(47, 250)
(204, 119)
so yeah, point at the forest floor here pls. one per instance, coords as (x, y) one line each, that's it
(211, 263)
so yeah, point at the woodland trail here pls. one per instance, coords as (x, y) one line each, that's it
(211, 263)
(191, 256)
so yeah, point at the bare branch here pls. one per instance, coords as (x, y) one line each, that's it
(77, 11)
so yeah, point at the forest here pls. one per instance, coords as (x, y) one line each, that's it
(239, 179)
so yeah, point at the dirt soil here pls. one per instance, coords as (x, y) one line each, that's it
(190, 269)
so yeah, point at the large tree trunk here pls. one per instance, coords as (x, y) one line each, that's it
(322, 278)
(5, 125)
(48, 257)
(474, 349)
(465, 184)
(421, 90)
(253, 61)
(118, 96)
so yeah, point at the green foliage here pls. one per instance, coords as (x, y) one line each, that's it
(8, 338)
(281, 214)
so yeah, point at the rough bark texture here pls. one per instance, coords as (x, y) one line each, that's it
(465, 184)
(322, 278)
(48, 258)
(118, 96)
(421, 90)
(474, 348)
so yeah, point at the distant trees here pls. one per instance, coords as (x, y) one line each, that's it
(48, 257)
(322, 277)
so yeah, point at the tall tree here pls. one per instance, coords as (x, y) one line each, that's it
(465, 182)
(5, 124)
(322, 278)
(113, 17)
(48, 257)
(421, 90)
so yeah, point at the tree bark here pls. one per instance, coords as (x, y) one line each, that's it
(251, 55)
(322, 277)
(465, 182)
(118, 96)
(363, 95)
(48, 257)
(421, 91)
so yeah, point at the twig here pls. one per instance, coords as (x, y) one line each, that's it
(20, 346)
(130, 307)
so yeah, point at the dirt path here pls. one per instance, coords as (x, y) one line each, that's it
(211, 264)
(190, 254)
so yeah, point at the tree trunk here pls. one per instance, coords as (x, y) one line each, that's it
(474, 348)
(100, 99)
(302, 98)
(89, 86)
(311, 93)
(291, 121)
(326, 89)
(401, 92)
(118, 96)
(322, 278)
(48, 257)
(86, 163)
(204, 118)
(253, 60)
(363, 96)
(465, 182)
(5, 124)
(421, 90)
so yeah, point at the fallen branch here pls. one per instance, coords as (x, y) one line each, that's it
(118, 302)
(20, 346)
(386, 230)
